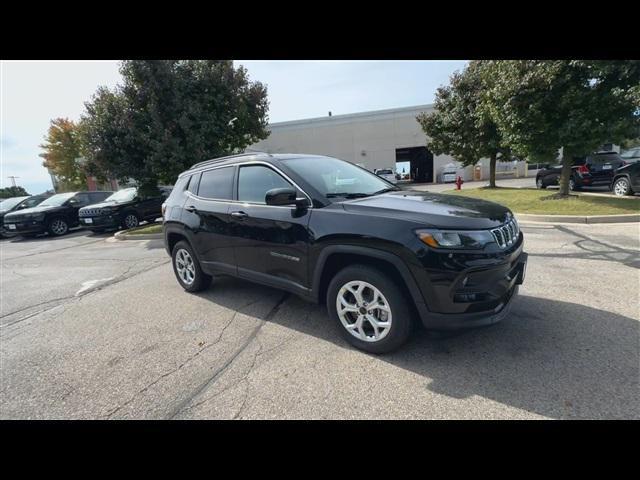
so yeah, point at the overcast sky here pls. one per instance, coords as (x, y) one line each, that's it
(32, 93)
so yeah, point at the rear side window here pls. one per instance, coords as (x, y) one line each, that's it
(255, 181)
(217, 183)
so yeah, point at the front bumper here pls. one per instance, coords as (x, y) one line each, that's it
(494, 307)
(24, 226)
(100, 222)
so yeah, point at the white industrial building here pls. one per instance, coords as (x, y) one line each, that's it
(376, 139)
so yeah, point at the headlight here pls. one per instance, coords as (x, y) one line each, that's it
(456, 239)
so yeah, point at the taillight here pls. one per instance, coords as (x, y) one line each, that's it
(583, 169)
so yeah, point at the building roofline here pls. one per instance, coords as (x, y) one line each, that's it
(370, 113)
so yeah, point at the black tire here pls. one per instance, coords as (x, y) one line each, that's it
(401, 315)
(201, 280)
(130, 220)
(622, 187)
(540, 184)
(58, 226)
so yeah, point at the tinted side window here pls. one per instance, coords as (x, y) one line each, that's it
(255, 181)
(98, 196)
(83, 199)
(217, 183)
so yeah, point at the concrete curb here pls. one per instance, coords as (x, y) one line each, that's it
(627, 218)
(123, 235)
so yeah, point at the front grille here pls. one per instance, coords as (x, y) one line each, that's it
(507, 234)
(91, 212)
(15, 219)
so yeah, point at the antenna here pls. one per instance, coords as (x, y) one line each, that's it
(13, 179)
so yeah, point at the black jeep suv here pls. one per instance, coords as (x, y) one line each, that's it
(14, 204)
(595, 170)
(333, 232)
(126, 208)
(55, 215)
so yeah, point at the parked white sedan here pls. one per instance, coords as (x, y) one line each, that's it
(387, 174)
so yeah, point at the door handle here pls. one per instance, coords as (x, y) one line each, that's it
(191, 209)
(239, 214)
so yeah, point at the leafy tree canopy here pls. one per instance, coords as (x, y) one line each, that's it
(61, 152)
(459, 126)
(542, 106)
(10, 192)
(170, 114)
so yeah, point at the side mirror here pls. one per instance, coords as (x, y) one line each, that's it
(73, 201)
(284, 196)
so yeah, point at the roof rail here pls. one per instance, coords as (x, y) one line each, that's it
(211, 160)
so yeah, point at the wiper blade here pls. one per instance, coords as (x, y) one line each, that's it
(385, 190)
(347, 195)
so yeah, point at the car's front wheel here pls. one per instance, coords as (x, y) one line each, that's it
(621, 187)
(58, 226)
(573, 186)
(369, 309)
(187, 268)
(540, 184)
(130, 220)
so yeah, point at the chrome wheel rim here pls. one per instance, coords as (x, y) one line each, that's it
(539, 183)
(364, 311)
(131, 221)
(572, 184)
(621, 188)
(59, 227)
(185, 266)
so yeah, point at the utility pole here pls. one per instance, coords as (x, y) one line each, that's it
(13, 180)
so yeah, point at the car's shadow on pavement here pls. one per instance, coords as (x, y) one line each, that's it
(552, 358)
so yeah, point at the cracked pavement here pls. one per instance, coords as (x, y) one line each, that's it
(99, 329)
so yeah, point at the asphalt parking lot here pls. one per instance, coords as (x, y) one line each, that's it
(100, 329)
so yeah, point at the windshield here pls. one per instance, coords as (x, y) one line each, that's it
(9, 203)
(333, 177)
(125, 195)
(385, 172)
(57, 200)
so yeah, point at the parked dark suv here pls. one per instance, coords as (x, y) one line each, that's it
(334, 233)
(126, 208)
(14, 204)
(627, 180)
(591, 171)
(55, 215)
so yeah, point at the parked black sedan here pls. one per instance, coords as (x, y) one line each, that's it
(56, 214)
(126, 208)
(593, 171)
(627, 180)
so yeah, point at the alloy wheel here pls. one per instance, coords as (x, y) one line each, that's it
(185, 266)
(131, 221)
(59, 227)
(364, 311)
(621, 187)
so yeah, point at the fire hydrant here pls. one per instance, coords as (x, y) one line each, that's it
(459, 182)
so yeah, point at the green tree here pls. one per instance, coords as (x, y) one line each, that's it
(542, 106)
(459, 125)
(61, 152)
(168, 115)
(12, 191)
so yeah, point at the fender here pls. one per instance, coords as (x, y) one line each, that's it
(391, 258)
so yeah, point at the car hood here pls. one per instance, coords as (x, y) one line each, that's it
(32, 210)
(433, 209)
(104, 205)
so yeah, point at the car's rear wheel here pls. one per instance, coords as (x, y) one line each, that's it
(621, 187)
(540, 184)
(130, 220)
(369, 309)
(187, 268)
(58, 226)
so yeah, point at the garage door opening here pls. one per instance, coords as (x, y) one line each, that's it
(420, 163)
